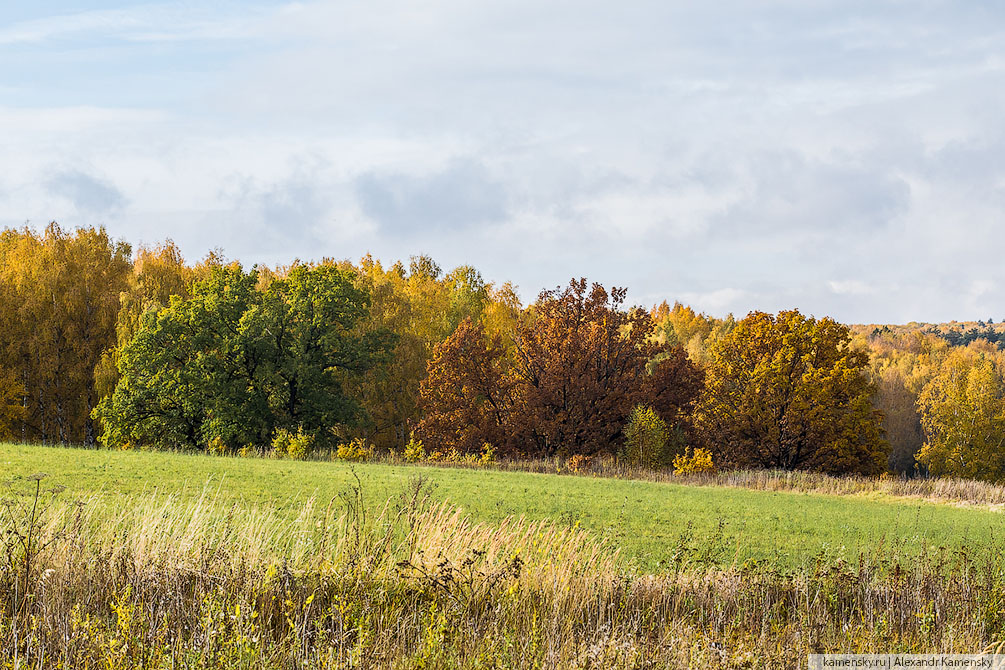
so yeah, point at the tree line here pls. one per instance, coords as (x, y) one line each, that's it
(144, 350)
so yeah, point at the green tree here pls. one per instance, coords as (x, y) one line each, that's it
(789, 392)
(158, 273)
(237, 361)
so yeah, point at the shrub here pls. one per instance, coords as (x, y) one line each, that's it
(294, 445)
(488, 455)
(356, 450)
(579, 463)
(217, 446)
(646, 439)
(693, 461)
(280, 441)
(414, 450)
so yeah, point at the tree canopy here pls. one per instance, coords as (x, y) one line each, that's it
(963, 415)
(234, 363)
(789, 392)
(146, 349)
(578, 365)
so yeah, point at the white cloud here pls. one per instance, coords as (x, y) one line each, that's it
(719, 301)
(843, 158)
(164, 22)
(89, 194)
(850, 287)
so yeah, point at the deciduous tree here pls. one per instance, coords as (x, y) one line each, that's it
(579, 364)
(789, 392)
(236, 362)
(60, 301)
(963, 414)
(467, 397)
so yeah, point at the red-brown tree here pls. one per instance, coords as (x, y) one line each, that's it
(578, 365)
(467, 397)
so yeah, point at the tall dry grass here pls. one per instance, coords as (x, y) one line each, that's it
(153, 582)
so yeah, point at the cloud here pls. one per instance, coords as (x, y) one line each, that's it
(742, 155)
(786, 192)
(719, 301)
(850, 287)
(460, 196)
(290, 213)
(92, 196)
(164, 22)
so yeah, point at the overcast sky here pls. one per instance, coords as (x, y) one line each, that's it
(846, 158)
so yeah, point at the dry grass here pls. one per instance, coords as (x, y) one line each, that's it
(958, 491)
(152, 582)
(935, 489)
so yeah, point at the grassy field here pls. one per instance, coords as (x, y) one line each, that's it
(204, 562)
(645, 521)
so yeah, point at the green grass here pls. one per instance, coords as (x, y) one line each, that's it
(644, 520)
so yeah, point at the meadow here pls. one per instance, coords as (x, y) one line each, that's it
(645, 521)
(185, 561)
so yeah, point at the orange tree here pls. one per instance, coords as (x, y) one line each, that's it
(467, 397)
(789, 392)
(578, 365)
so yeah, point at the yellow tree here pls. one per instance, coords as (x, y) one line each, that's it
(681, 325)
(422, 306)
(389, 393)
(12, 400)
(502, 315)
(789, 392)
(62, 300)
(901, 364)
(963, 414)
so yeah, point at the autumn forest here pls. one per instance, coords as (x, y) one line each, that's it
(101, 344)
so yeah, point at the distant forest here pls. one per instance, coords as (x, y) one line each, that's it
(104, 344)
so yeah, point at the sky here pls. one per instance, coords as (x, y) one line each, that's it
(845, 158)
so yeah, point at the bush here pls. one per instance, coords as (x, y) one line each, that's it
(488, 455)
(414, 450)
(693, 462)
(356, 450)
(646, 439)
(294, 445)
(579, 463)
(280, 441)
(217, 446)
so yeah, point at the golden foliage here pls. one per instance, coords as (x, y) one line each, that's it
(790, 392)
(963, 414)
(646, 439)
(693, 462)
(59, 302)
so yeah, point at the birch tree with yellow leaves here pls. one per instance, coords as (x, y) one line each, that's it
(963, 415)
